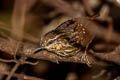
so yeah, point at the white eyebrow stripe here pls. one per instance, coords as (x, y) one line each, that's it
(54, 38)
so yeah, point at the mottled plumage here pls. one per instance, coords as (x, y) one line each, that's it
(67, 39)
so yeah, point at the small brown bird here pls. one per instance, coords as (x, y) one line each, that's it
(68, 39)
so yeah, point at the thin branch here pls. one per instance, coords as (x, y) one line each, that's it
(18, 44)
(18, 63)
(31, 63)
(8, 61)
(21, 61)
(13, 71)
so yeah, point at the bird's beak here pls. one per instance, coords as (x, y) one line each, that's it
(39, 49)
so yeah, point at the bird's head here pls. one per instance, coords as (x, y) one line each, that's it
(52, 42)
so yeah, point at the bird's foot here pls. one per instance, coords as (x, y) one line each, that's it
(85, 59)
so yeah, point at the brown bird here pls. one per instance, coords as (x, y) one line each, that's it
(68, 39)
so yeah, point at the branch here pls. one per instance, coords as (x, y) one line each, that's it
(28, 48)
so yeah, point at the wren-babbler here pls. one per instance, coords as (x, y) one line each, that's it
(68, 39)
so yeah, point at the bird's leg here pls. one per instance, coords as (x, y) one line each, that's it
(84, 57)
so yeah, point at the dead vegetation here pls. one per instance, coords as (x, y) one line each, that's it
(26, 21)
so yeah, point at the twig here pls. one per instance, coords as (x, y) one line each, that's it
(18, 44)
(13, 71)
(8, 61)
(31, 63)
(16, 65)
(21, 61)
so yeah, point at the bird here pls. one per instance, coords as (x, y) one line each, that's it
(68, 39)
